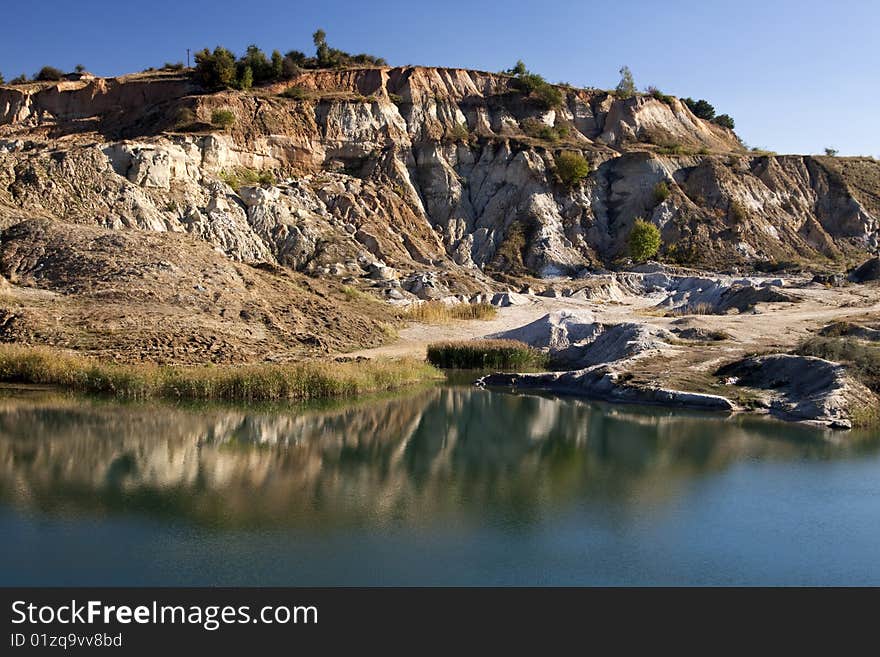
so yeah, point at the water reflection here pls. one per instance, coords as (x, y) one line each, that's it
(442, 453)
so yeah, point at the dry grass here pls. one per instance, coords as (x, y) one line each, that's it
(485, 354)
(437, 312)
(701, 308)
(258, 382)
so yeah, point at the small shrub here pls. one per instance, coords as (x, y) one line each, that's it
(485, 354)
(397, 99)
(738, 212)
(458, 132)
(222, 118)
(185, 119)
(661, 192)
(659, 95)
(644, 240)
(571, 168)
(176, 66)
(21, 79)
(295, 93)
(831, 152)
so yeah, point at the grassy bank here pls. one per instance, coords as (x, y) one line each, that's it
(259, 382)
(437, 312)
(485, 354)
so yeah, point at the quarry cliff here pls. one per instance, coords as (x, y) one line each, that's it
(421, 169)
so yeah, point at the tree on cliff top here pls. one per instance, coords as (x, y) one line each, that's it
(49, 74)
(626, 88)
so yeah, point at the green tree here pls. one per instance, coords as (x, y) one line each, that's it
(644, 240)
(322, 50)
(261, 68)
(702, 109)
(79, 68)
(293, 62)
(2, 81)
(830, 152)
(246, 80)
(49, 74)
(277, 65)
(626, 88)
(518, 69)
(571, 168)
(724, 120)
(215, 70)
(21, 79)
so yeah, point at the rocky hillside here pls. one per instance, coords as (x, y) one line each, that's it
(421, 174)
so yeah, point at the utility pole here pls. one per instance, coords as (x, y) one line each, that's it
(187, 57)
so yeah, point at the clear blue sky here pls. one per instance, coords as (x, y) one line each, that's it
(797, 76)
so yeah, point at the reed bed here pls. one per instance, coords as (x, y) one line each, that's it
(437, 312)
(311, 380)
(485, 354)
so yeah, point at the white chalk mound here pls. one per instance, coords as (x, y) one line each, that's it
(557, 330)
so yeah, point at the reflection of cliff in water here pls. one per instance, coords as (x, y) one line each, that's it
(439, 451)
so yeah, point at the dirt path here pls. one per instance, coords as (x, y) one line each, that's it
(773, 326)
(414, 339)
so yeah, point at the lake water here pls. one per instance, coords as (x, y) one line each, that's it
(445, 485)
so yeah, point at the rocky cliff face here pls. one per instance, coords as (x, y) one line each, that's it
(423, 169)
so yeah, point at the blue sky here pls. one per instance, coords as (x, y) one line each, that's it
(796, 76)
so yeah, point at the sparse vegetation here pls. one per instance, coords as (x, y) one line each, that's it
(222, 118)
(703, 109)
(571, 168)
(831, 152)
(21, 79)
(644, 240)
(535, 87)
(659, 95)
(861, 358)
(242, 177)
(259, 382)
(540, 130)
(185, 119)
(738, 213)
(296, 93)
(437, 312)
(661, 192)
(485, 354)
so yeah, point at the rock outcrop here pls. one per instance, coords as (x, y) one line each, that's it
(803, 387)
